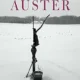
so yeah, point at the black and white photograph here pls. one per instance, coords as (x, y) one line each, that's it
(40, 40)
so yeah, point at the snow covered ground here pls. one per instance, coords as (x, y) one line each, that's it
(58, 53)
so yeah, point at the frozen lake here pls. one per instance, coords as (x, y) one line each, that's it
(58, 53)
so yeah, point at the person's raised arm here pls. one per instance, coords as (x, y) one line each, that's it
(39, 28)
(42, 24)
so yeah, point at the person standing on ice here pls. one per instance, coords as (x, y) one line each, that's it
(34, 50)
(35, 36)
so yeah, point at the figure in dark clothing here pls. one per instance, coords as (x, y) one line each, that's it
(35, 36)
(34, 50)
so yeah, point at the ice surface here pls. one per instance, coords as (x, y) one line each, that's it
(58, 53)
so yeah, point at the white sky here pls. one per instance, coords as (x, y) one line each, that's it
(5, 6)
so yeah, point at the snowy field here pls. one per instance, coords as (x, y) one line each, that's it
(58, 53)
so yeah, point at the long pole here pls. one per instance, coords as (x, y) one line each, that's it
(33, 28)
(45, 20)
(29, 70)
(33, 21)
(34, 49)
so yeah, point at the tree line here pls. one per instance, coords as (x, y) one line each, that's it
(50, 20)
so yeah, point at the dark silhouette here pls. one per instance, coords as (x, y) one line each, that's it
(34, 60)
(36, 75)
(35, 36)
(33, 51)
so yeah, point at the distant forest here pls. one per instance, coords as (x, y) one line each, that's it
(50, 20)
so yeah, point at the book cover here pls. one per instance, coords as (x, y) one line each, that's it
(39, 40)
